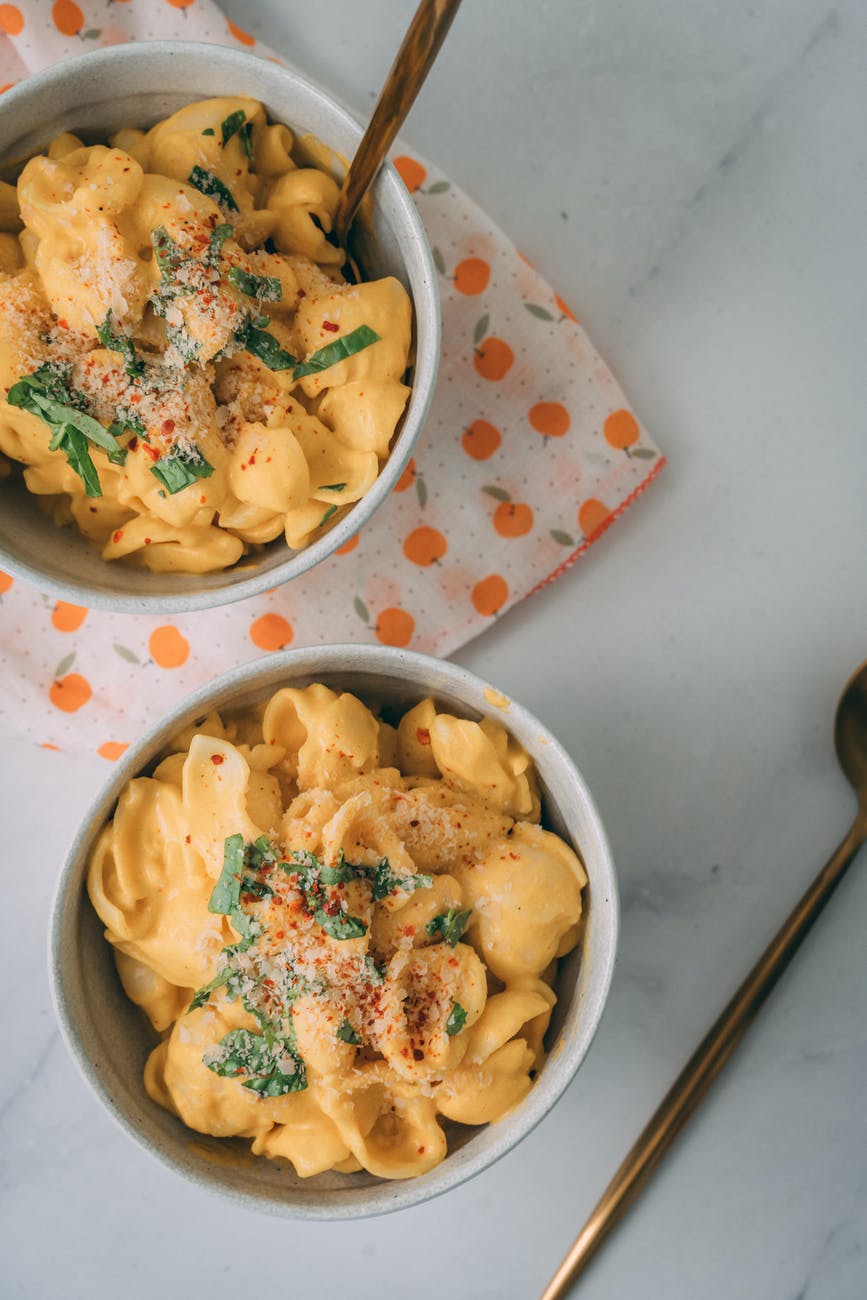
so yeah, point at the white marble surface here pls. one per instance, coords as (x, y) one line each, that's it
(691, 175)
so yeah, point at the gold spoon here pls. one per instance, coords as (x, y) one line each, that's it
(407, 74)
(696, 1077)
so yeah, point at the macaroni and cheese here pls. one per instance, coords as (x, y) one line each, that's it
(345, 932)
(186, 374)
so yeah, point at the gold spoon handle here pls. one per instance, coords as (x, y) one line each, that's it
(703, 1066)
(407, 74)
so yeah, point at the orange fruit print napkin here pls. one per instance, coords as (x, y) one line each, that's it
(529, 454)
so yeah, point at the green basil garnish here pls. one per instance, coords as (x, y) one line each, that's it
(450, 925)
(337, 351)
(231, 124)
(347, 1034)
(209, 184)
(267, 288)
(264, 1063)
(120, 343)
(179, 469)
(456, 1021)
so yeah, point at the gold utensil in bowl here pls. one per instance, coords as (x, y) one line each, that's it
(696, 1077)
(407, 75)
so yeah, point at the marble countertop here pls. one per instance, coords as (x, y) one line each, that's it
(691, 178)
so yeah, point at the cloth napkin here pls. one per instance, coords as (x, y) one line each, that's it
(530, 453)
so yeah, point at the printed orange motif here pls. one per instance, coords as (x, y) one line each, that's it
(513, 518)
(271, 632)
(11, 19)
(112, 749)
(551, 419)
(238, 32)
(347, 546)
(68, 18)
(406, 479)
(70, 693)
(481, 440)
(180, 4)
(593, 516)
(472, 275)
(490, 594)
(395, 627)
(425, 546)
(5, 582)
(67, 618)
(493, 358)
(411, 172)
(564, 309)
(621, 429)
(168, 648)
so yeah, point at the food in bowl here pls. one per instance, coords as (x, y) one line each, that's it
(187, 375)
(346, 932)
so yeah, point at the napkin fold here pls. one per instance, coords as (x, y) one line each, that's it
(529, 454)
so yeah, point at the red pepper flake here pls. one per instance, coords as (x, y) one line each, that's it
(414, 822)
(64, 324)
(417, 1054)
(217, 759)
(168, 426)
(330, 326)
(132, 444)
(116, 537)
(421, 1151)
(147, 541)
(188, 839)
(252, 460)
(153, 452)
(422, 735)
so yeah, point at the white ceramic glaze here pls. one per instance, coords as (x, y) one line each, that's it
(136, 85)
(110, 1039)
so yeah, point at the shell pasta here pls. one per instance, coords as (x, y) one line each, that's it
(186, 374)
(345, 933)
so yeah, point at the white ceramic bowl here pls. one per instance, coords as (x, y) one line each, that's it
(110, 1039)
(136, 85)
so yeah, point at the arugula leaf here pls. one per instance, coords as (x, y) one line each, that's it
(386, 881)
(264, 346)
(179, 469)
(347, 1034)
(456, 1021)
(226, 894)
(267, 288)
(120, 343)
(209, 184)
(339, 350)
(232, 123)
(270, 1064)
(450, 925)
(218, 237)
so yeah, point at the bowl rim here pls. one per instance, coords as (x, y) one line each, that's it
(426, 311)
(561, 1065)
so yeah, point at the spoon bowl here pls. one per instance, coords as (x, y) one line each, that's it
(850, 734)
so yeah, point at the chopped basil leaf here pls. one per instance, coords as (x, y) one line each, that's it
(232, 123)
(267, 1065)
(261, 853)
(247, 139)
(201, 996)
(339, 350)
(168, 253)
(267, 288)
(347, 1034)
(264, 346)
(188, 348)
(375, 974)
(72, 442)
(209, 184)
(226, 894)
(386, 881)
(450, 925)
(219, 235)
(339, 873)
(209, 130)
(456, 1020)
(332, 487)
(332, 510)
(120, 343)
(257, 888)
(340, 925)
(178, 470)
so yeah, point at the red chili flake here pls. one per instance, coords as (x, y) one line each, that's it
(116, 537)
(135, 397)
(414, 822)
(421, 1151)
(330, 326)
(252, 460)
(153, 452)
(422, 735)
(132, 444)
(147, 541)
(187, 839)
(514, 857)
(417, 1054)
(64, 324)
(168, 426)
(217, 759)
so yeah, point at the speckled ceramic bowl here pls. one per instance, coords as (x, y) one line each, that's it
(136, 85)
(110, 1038)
